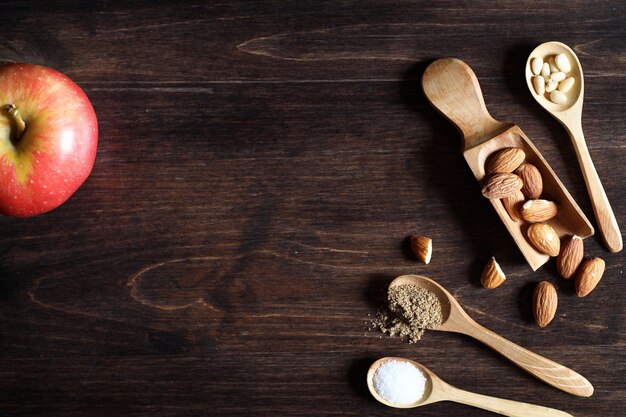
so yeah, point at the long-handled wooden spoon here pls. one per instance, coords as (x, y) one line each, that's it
(452, 88)
(569, 115)
(438, 390)
(455, 319)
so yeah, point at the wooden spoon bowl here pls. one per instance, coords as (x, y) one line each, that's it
(451, 87)
(575, 96)
(428, 389)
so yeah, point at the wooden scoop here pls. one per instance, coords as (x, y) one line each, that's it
(451, 87)
(437, 390)
(455, 319)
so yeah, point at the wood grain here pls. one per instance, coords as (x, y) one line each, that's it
(260, 167)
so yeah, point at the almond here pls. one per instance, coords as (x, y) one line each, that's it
(545, 302)
(504, 161)
(531, 177)
(422, 247)
(535, 211)
(492, 276)
(569, 258)
(589, 274)
(544, 238)
(512, 204)
(501, 185)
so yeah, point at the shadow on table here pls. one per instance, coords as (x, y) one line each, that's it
(376, 291)
(357, 375)
(10, 286)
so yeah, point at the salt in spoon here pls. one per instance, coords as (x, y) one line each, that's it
(569, 114)
(437, 390)
(455, 319)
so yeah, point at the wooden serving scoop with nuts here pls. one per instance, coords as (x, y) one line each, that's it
(452, 88)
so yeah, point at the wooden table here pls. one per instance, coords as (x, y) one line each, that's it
(259, 169)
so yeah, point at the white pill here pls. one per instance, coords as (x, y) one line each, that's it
(535, 65)
(558, 97)
(553, 67)
(566, 85)
(545, 70)
(540, 84)
(551, 86)
(563, 63)
(558, 76)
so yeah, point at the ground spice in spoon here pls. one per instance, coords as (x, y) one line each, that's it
(410, 309)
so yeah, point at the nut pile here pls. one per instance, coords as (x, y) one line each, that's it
(519, 185)
(550, 77)
(569, 262)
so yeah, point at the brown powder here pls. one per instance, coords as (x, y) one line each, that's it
(410, 309)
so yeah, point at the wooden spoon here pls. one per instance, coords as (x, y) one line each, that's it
(438, 390)
(570, 116)
(452, 88)
(455, 319)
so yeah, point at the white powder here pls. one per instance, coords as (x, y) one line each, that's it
(399, 382)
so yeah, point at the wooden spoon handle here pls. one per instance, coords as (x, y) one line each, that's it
(548, 371)
(501, 406)
(452, 88)
(599, 201)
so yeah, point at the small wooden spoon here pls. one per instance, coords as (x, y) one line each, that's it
(570, 116)
(455, 319)
(452, 88)
(438, 390)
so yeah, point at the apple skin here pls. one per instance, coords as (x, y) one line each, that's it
(57, 150)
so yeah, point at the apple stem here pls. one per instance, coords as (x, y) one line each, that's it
(20, 126)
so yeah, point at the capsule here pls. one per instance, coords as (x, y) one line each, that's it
(551, 85)
(566, 85)
(558, 97)
(535, 65)
(540, 84)
(563, 63)
(557, 76)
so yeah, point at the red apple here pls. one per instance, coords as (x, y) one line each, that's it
(48, 139)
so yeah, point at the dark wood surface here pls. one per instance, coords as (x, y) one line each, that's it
(260, 166)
